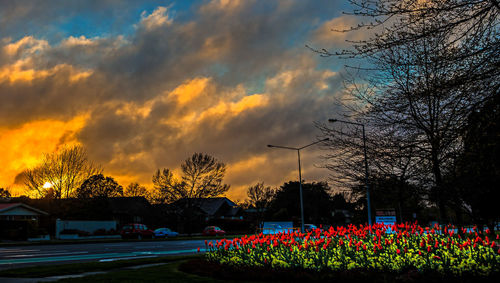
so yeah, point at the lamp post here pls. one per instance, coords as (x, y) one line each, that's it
(366, 165)
(300, 176)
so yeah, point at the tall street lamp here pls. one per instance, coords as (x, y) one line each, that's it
(300, 175)
(366, 165)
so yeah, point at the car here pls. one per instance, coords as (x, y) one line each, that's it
(165, 233)
(213, 231)
(310, 227)
(136, 231)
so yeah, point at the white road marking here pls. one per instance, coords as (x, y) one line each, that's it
(122, 258)
(16, 250)
(47, 254)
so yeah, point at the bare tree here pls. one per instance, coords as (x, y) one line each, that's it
(202, 177)
(136, 190)
(61, 172)
(433, 64)
(259, 198)
(167, 188)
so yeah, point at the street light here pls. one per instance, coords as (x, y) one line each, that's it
(366, 165)
(300, 175)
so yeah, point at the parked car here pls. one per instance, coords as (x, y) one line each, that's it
(310, 227)
(165, 233)
(136, 231)
(213, 231)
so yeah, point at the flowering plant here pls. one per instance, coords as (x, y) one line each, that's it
(407, 246)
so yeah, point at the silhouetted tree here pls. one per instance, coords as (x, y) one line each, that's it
(136, 190)
(98, 186)
(471, 27)
(391, 192)
(4, 193)
(317, 203)
(61, 172)
(167, 188)
(478, 166)
(203, 176)
(259, 198)
(432, 65)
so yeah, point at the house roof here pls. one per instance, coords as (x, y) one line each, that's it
(134, 205)
(8, 206)
(208, 205)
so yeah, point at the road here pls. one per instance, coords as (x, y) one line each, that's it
(22, 256)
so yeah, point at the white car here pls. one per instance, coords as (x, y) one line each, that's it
(165, 233)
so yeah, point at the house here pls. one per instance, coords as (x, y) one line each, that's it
(211, 208)
(129, 209)
(121, 209)
(195, 213)
(19, 211)
(19, 220)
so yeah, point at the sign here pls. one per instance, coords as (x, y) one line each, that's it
(385, 212)
(385, 216)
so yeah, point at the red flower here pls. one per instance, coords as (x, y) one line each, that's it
(198, 249)
(419, 253)
(398, 251)
(429, 249)
(436, 257)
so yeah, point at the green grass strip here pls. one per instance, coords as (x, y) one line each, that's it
(77, 268)
(162, 273)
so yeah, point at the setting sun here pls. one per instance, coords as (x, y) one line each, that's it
(47, 185)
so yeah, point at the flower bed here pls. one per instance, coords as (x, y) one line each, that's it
(372, 248)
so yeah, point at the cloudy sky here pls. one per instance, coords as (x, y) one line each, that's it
(145, 84)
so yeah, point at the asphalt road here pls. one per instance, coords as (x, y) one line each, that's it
(22, 256)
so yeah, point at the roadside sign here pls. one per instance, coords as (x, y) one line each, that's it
(385, 216)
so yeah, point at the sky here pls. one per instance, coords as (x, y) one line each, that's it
(143, 85)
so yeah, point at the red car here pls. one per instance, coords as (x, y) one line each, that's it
(213, 231)
(136, 231)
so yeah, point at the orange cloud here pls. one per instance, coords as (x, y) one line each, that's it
(190, 89)
(27, 44)
(24, 71)
(232, 109)
(23, 147)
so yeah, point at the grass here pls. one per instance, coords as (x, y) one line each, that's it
(77, 268)
(170, 272)
(163, 273)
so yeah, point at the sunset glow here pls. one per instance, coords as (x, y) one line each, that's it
(167, 80)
